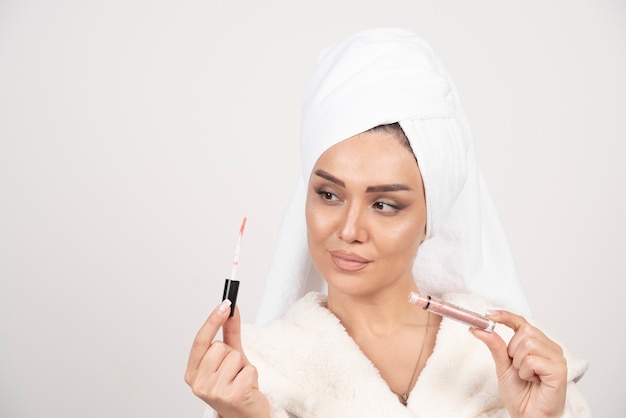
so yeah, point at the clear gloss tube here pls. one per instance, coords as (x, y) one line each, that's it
(452, 311)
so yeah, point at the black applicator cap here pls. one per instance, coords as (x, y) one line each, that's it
(231, 287)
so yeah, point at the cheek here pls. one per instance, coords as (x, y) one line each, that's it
(420, 231)
(316, 222)
(406, 239)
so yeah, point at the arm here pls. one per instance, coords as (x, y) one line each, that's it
(275, 412)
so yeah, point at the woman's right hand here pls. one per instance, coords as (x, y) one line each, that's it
(219, 372)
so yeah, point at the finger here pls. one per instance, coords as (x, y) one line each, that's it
(214, 357)
(533, 354)
(523, 332)
(231, 331)
(207, 333)
(527, 340)
(215, 372)
(533, 344)
(550, 372)
(511, 320)
(230, 367)
(529, 367)
(248, 377)
(497, 347)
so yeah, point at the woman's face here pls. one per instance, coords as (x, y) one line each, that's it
(365, 214)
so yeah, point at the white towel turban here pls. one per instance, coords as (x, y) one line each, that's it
(383, 76)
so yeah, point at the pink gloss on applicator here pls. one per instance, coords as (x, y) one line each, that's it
(231, 286)
(451, 311)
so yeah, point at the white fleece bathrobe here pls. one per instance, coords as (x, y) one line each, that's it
(308, 365)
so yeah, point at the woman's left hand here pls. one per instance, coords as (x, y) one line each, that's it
(531, 370)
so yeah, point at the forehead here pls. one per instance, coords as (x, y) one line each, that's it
(378, 157)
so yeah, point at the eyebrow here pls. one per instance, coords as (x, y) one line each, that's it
(326, 175)
(395, 187)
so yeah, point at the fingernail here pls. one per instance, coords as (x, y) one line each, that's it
(224, 306)
(490, 313)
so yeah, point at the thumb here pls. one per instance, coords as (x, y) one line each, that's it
(231, 331)
(498, 349)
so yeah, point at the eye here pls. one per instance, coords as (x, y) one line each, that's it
(386, 207)
(327, 196)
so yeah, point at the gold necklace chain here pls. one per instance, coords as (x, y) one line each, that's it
(404, 398)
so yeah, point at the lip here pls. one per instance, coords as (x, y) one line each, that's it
(348, 261)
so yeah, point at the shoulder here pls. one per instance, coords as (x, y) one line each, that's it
(309, 313)
(304, 326)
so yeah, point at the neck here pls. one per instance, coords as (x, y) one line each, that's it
(379, 314)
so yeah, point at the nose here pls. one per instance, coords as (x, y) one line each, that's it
(352, 227)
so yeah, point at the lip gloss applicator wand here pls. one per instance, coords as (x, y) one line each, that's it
(448, 310)
(231, 286)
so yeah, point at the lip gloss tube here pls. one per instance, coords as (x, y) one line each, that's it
(231, 286)
(449, 310)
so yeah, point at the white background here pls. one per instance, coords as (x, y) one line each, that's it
(135, 135)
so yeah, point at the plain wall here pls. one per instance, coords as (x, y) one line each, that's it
(135, 135)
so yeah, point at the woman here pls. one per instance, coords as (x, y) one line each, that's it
(391, 201)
